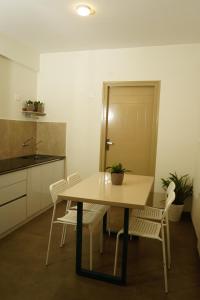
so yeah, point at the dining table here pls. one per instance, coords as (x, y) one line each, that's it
(98, 189)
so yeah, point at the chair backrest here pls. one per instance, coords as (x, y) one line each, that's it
(73, 179)
(170, 198)
(56, 188)
(171, 187)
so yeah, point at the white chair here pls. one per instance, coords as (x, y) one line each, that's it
(74, 179)
(149, 229)
(155, 214)
(90, 218)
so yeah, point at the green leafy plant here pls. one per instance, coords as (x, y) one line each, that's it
(117, 168)
(28, 105)
(29, 102)
(38, 106)
(184, 187)
(36, 103)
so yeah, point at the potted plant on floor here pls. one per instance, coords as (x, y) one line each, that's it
(117, 173)
(183, 190)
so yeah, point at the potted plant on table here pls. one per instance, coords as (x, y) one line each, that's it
(183, 190)
(117, 173)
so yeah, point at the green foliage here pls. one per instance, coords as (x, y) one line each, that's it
(117, 168)
(29, 102)
(38, 102)
(184, 187)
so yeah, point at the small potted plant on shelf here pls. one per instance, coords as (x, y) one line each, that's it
(117, 173)
(29, 105)
(35, 103)
(38, 106)
(183, 190)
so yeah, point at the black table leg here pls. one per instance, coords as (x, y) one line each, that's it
(120, 280)
(125, 246)
(105, 223)
(79, 233)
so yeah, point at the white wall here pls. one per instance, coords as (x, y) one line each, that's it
(18, 83)
(18, 77)
(196, 196)
(71, 85)
(18, 52)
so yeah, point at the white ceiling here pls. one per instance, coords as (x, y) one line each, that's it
(52, 25)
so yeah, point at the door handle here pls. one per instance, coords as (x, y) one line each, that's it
(108, 143)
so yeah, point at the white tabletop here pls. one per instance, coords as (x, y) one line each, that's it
(133, 193)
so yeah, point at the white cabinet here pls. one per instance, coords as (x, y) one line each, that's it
(12, 214)
(12, 199)
(50, 174)
(34, 190)
(39, 179)
(25, 193)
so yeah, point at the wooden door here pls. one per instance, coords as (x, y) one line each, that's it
(129, 130)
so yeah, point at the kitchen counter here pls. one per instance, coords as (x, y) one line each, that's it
(24, 162)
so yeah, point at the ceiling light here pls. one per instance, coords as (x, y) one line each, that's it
(84, 10)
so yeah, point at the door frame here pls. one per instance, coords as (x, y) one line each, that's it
(104, 121)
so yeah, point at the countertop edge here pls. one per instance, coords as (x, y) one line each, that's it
(33, 165)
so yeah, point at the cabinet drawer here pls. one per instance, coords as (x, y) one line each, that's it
(12, 178)
(12, 192)
(12, 213)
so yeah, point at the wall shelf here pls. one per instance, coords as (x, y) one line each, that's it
(33, 113)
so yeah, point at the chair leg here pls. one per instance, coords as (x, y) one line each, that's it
(101, 237)
(49, 244)
(61, 240)
(50, 234)
(91, 249)
(168, 244)
(116, 254)
(65, 231)
(63, 236)
(164, 258)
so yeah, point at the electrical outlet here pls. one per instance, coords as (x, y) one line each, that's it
(17, 97)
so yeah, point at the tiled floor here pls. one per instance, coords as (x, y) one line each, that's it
(23, 275)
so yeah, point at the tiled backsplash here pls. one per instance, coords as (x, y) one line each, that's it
(14, 133)
(52, 137)
(12, 136)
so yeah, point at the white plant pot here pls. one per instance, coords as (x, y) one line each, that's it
(175, 212)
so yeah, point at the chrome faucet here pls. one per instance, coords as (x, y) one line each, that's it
(27, 142)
